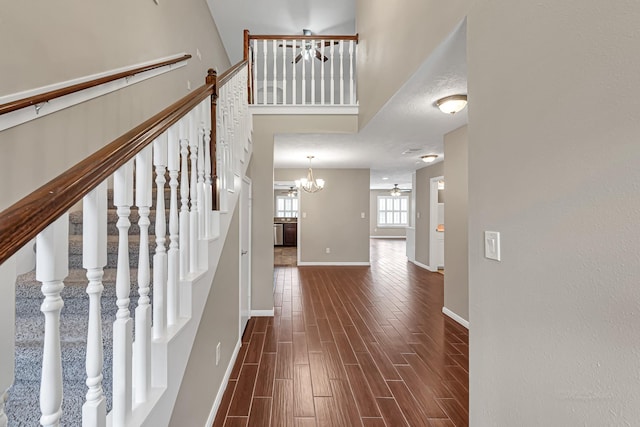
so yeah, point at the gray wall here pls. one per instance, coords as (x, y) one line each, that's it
(423, 209)
(261, 173)
(388, 51)
(219, 324)
(554, 167)
(52, 43)
(456, 219)
(333, 216)
(374, 230)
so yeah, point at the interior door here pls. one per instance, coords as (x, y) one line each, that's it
(245, 253)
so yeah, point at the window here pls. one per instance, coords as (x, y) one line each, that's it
(392, 211)
(286, 207)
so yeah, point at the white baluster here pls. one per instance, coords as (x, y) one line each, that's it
(294, 84)
(142, 344)
(275, 74)
(341, 72)
(160, 257)
(352, 92)
(313, 72)
(208, 182)
(193, 191)
(173, 270)
(264, 71)
(184, 200)
(123, 325)
(4, 421)
(94, 258)
(333, 81)
(284, 72)
(202, 208)
(304, 73)
(322, 43)
(255, 72)
(51, 268)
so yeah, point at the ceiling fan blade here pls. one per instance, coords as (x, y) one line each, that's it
(298, 58)
(320, 56)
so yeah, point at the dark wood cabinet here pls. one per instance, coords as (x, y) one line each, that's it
(290, 232)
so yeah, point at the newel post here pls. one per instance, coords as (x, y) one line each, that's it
(212, 79)
(249, 67)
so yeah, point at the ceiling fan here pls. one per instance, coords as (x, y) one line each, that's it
(307, 50)
(396, 191)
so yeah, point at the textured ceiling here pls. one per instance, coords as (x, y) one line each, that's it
(408, 126)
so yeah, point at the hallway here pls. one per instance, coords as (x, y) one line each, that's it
(352, 346)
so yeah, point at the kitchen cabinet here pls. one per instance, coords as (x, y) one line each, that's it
(290, 232)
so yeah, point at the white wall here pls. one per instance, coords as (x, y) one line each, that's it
(554, 167)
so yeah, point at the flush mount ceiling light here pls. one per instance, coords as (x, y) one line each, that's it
(429, 158)
(310, 184)
(452, 104)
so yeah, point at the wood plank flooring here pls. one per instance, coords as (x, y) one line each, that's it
(352, 346)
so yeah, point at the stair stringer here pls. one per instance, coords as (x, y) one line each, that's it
(171, 354)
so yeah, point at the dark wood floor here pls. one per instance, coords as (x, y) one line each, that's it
(352, 346)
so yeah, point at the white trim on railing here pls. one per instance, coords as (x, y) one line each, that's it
(304, 109)
(24, 115)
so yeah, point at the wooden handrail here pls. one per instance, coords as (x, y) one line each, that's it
(22, 221)
(228, 75)
(53, 94)
(301, 37)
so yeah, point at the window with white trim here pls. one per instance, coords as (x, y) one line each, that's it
(393, 211)
(286, 207)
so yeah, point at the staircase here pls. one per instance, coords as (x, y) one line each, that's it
(120, 368)
(22, 407)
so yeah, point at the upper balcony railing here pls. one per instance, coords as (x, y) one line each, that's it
(305, 70)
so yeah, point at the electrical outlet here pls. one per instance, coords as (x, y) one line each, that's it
(328, 250)
(362, 215)
(218, 354)
(188, 84)
(198, 54)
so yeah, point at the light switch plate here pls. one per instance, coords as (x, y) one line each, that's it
(492, 245)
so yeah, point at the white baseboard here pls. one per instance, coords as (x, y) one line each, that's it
(387, 237)
(223, 385)
(455, 317)
(426, 267)
(262, 313)
(312, 263)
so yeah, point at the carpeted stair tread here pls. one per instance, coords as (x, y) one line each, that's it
(76, 221)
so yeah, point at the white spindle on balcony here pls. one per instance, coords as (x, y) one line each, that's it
(304, 72)
(333, 81)
(264, 72)
(322, 44)
(51, 269)
(94, 259)
(312, 54)
(341, 72)
(208, 182)
(352, 89)
(254, 70)
(173, 258)
(274, 99)
(123, 325)
(284, 72)
(294, 83)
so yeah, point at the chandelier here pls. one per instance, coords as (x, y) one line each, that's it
(310, 184)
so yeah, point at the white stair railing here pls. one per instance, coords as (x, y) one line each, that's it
(141, 370)
(305, 71)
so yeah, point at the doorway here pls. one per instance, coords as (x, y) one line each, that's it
(436, 224)
(285, 223)
(245, 253)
